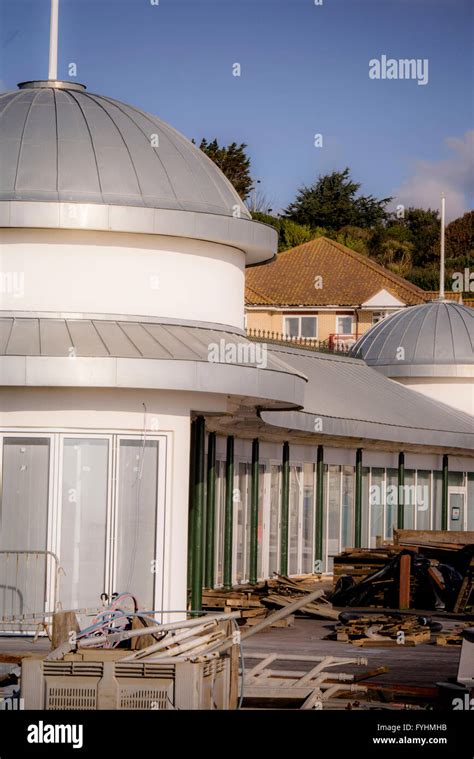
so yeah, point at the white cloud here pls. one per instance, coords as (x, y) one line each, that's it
(453, 176)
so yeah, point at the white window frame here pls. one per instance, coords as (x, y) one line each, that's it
(344, 316)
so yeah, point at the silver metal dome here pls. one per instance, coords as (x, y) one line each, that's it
(433, 337)
(60, 143)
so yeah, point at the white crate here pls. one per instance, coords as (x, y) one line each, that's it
(115, 684)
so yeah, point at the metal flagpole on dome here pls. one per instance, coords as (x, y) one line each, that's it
(53, 41)
(441, 263)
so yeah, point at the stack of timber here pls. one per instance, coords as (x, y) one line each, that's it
(422, 569)
(378, 631)
(256, 601)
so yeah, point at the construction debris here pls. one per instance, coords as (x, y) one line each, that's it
(421, 570)
(382, 630)
(255, 602)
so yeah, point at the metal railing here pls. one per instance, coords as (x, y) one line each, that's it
(29, 588)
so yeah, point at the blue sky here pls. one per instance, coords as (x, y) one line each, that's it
(304, 70)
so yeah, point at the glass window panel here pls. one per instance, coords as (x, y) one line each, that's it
(377, 504)
(83, 521)
(261, 485)
(344, 325)
(334, 516)
(308, 326)
(391, 502)
(23, 524)
(220, 517)
(470, 501)
(409, 500)
(348, 497)
(325, 515)
(241, 531)
(437, 499)
(292, 326)
(274, 558)
(423, 500)
(308, 518)
(294, 509)
(137, 507)
(456, 479)
(365, 507)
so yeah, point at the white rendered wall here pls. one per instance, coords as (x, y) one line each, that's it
(456, 392)
(121, 273)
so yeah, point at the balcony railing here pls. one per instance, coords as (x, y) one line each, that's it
(334, 343)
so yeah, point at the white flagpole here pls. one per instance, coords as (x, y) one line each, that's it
(441, 263)
(53, 41)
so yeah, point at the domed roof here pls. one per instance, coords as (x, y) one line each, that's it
(431, 336)
(60, 143)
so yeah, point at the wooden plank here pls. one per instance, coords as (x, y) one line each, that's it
(65, 627)
(234, 677)
(433, 537)
(405, 576)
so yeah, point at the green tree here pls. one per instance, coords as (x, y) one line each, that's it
(290, 234)
(460, 240)
(352, 237)
(233, 161)
(396, 256)
(424, 228)
(332, 202)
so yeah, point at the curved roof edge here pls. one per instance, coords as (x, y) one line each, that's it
(258, 241)
(280, 387)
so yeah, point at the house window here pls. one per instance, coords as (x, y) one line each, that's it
(377, 316)
(344, 325)
(301, 326)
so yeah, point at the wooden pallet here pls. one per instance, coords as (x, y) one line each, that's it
(445, 639)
